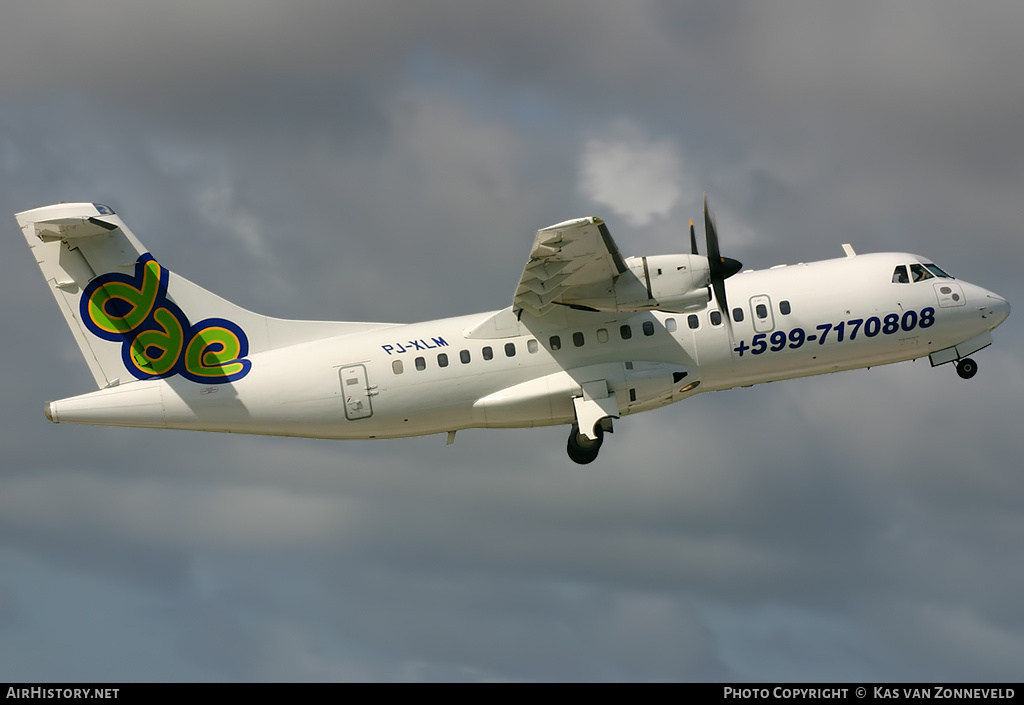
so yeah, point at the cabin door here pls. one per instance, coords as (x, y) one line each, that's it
(357, 392)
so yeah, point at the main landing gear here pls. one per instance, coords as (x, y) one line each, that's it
(966, 368)
(581, 449)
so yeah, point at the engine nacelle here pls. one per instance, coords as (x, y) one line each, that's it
(660, 282)
(675, 282)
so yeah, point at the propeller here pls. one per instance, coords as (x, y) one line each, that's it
(720, 268)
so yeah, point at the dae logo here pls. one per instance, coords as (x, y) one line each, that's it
(156, 337)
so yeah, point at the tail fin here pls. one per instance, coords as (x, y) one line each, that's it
(133, 319)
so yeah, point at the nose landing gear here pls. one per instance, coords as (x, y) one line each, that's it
(966, 368)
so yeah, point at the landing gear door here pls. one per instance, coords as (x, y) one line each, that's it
(357, 392)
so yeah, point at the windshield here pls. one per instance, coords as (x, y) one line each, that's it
(915, 272)
(918, 273)
(937, 271)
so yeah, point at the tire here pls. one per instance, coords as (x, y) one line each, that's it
(581, 449)
(966, 368)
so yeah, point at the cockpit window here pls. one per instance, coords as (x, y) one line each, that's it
(918, 273)
(899, 276)
(937, 271)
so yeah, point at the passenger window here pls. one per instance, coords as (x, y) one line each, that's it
(784, 308)
(918, 273)
(488, 353)
(421, 364)
(625, 332)
(716, 318)
(737, 315)
(464, 356)
(577, 339)
(761, 310)
(531, 345)
(510, 349)
(899, 275)
(670, 325)
(693, 321)
(648, 328)
(397, 367)
(442, 359)
(602, 335)
(555, 343)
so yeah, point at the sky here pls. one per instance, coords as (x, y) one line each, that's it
(391, 161)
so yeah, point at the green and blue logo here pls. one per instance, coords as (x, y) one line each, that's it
(157, 339)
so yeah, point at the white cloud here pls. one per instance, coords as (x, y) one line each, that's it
(218, 203)
(638, 177)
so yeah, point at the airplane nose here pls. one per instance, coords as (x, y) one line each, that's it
(998, 308)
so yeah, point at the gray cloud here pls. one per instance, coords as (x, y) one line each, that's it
(391, 162)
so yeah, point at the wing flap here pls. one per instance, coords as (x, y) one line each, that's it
(567, 256)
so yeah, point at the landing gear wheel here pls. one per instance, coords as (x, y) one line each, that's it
(581, 449)
(966, 368)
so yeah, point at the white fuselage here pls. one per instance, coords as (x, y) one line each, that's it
(437, 376)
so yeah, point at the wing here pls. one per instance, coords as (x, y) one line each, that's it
(574, 256)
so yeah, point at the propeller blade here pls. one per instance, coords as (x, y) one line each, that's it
(711, 234)
(720, 268)
(718, 284)
(693, 239)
